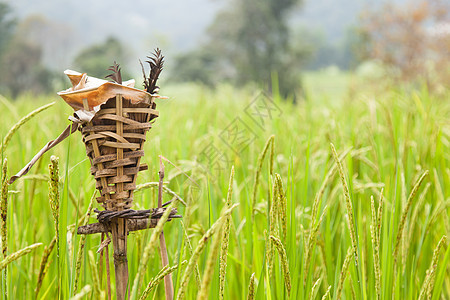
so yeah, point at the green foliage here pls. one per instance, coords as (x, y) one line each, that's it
(7, 24)
(96, 59)
(381, 140)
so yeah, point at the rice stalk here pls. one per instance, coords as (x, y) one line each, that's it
(311, 241)
(199, 249)
(344, 272)
(375, 231)
(95, 278)
(53, 196)
(19, 124)
(16, 255)
(225, 240)
(81, 295)
(168, 191)
(190, 252)
(284, 262)
(258, 171)
(148, 250)
(401, 226)
(315, 289)
(272, 206)
(282, 206)
(441, 199)
(251, 287)
(158, 278)
(85, 221)
(3, 218)
(43, 266)
(210, 264)
(327, 293)
(4, 209)
(428, 283)
(348, 203)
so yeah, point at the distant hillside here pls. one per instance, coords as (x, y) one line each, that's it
(175, 25)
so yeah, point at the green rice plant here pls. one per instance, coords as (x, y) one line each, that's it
(348, 203)
(375, 232)
(53, 196)
(344, 271)
(82, 243)
(251, 287)
(158, 278)
(97, 292)
(284, 262)
(18, 254)
(3, 220)
(315, 289)
(82, 294)
(189, 253)
(428, 283)
(199, 249)
(43, 268)
(327, 293)
(150, 248)
(282, 206)
(210, 264)
(261, 157)
(225, 240)
(19, 124)
(401, 226)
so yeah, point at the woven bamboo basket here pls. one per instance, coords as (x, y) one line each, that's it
(114, 141)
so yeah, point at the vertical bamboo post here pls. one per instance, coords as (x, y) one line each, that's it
(168, 283)
(118, 226)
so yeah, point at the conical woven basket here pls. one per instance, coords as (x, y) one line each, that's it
(114, 141)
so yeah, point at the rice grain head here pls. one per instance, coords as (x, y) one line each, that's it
(210, 264)
(327, 293)
(79, 258)
(401, 226)
(428, 283)
(199, 249)
(156, 232)
(43, 266)
(348, 203)
(315, 289)
(18, 254)
(284, 262)
(258, 171)
(344, 272)
(19, 124)
(94, 273)
(225, 240)
(158, 278)
(251, 287)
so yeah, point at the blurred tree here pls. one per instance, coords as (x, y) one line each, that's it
(56, 39)
(248, 42)
(22, 69)
(407, 39)
(20, 59)
(96, 59)
(7, 24)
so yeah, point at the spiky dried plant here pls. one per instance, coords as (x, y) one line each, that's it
(116, 74)
(156, 62)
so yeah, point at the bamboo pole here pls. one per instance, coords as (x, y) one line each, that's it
(168, 283)
(118, 226)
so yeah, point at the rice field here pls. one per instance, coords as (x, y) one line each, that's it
(344, 195)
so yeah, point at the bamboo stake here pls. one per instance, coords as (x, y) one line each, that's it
(118, 226)
(168, 283)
